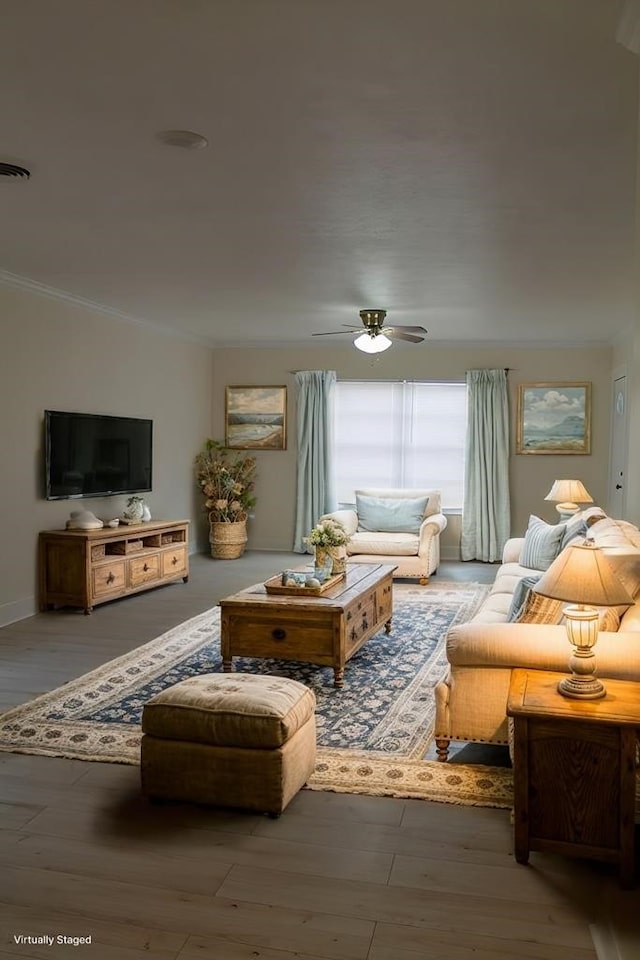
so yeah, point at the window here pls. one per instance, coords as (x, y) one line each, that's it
(400, 435)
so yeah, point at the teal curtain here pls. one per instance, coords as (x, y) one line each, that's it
(486, 513)
(315, 493)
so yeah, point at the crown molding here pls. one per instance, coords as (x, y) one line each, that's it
(54, 293)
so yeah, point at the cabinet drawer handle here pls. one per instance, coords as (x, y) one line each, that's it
(174, 560)
(146, 567)
(279, 633)
(110, 578)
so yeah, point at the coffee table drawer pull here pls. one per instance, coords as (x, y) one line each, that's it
(279, 633)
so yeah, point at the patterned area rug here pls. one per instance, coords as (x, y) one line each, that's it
(372, 734)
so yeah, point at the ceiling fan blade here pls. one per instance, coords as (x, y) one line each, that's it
(350, 328)
(409, 329)
(333, 333)
(394, 334)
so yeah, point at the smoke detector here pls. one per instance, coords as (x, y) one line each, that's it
(186, 139)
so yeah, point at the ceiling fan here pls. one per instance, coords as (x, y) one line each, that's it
(377, 337)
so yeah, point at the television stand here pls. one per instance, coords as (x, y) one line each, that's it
(82, 568)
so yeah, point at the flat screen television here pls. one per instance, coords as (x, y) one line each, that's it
(90, 455)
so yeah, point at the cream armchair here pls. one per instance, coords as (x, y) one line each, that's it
(414, 548)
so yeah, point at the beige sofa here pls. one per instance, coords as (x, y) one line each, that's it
(416, 554)
(471, 698)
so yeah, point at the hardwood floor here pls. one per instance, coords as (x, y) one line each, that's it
(338, 876)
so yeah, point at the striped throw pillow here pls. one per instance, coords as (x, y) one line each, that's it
(542, 543)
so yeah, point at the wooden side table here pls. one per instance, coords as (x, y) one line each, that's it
(574, 770)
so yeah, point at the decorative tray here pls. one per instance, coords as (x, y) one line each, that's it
(275, 585)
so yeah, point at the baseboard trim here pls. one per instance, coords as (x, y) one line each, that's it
(17, 610)
(449, 553)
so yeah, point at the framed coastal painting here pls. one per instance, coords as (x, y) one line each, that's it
(256, 418)
(554, 418)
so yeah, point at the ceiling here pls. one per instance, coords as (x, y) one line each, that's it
(468, 165)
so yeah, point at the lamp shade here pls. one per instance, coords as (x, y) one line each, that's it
(569, 491)
(583, 575)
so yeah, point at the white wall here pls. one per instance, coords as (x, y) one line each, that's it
(59, 355)
(531, 475)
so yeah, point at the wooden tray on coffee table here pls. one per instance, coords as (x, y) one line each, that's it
(275, 585)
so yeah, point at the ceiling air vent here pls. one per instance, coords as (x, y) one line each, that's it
(13, 170)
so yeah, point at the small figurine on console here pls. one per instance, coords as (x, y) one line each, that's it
(135, 510)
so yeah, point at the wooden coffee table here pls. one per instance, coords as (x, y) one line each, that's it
(326, 629)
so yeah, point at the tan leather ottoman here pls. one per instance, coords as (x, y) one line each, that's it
(232, 740)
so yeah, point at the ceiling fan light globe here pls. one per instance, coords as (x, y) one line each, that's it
(369, 344)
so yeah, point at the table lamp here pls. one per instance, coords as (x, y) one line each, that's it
(583, 575)
(567, 494)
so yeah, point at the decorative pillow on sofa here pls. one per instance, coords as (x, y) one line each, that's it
(542, 543)
(609, 619)
(520, 594)
(539, 609)
(387, 515)
(576, 531)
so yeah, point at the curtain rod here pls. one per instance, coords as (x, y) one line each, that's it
(394, 380)
(506, 369)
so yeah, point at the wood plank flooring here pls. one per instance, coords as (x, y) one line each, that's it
(338, 876)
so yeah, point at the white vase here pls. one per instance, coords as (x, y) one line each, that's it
(146, 513)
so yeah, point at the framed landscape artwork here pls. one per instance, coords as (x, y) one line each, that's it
(554, 418)
(256, 418)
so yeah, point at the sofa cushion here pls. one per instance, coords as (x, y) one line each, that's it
(384, 544)
(387, 515)
(542, 543)
(494, 609)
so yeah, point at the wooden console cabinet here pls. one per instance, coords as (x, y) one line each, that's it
(82, 568)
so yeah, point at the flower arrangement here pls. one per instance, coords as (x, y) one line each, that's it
(327, 533)
(227, 481)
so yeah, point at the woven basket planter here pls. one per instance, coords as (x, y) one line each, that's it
(227, 540)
